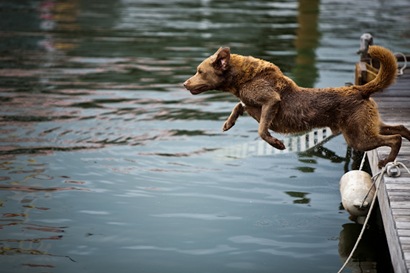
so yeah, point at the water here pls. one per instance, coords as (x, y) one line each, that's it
(108, 164)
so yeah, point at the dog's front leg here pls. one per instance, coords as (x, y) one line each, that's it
(236, 112)
(268, 113)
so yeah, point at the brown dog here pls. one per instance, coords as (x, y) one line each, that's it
(277, 103)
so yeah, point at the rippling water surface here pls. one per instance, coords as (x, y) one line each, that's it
(107, 164)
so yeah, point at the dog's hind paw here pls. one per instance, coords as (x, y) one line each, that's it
(382, 163)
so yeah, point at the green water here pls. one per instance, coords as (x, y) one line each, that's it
(108, 165)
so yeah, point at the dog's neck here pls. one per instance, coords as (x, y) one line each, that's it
(243, 69)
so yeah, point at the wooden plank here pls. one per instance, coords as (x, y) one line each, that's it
(403, 223)
(405, 241)
(401, 212)
(403, 232)
(398, 187)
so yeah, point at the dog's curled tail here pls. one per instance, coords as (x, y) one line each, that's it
(387, 73)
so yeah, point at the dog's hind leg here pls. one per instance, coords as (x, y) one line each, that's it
(236, 112)
(395, 130)
(375, 141)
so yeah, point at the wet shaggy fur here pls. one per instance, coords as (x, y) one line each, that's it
(277, 103)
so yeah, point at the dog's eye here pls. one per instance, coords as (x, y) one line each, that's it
(200, 71)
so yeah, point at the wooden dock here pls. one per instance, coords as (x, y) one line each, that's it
(394, 193)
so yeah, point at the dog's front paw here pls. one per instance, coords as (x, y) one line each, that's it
(279, 145)
(227, 125)
(276, 143)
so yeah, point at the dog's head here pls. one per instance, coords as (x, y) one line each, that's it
(210, 73)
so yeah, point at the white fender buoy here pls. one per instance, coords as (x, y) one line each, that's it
(354, 186)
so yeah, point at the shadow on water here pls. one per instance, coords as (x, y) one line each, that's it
(107, 164)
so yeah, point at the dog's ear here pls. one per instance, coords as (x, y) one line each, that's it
(222, 57)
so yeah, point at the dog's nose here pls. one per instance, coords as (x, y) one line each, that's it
(185, 83)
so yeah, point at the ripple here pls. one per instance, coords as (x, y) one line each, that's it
(277, 248)
(197, 216)
(95, 212)
(38, 189)
(226, 198)
(204, 251)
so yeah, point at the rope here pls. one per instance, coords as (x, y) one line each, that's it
(363, 160)
(368, 192)
(392, 169)
(360, 168)
(401, 71)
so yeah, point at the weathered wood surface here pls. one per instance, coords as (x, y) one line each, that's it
(394, 193)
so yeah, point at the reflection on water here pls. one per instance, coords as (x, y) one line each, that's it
(107, 164)
(306, 42)
(300, 197)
